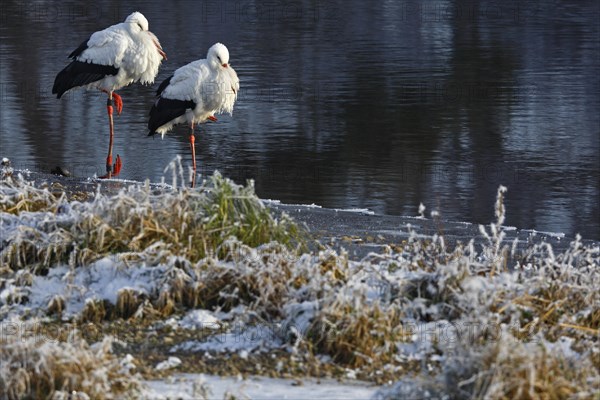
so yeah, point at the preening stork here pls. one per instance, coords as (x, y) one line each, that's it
(194, 93)
(109, 60)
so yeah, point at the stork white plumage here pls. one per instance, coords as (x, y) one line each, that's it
(109, 60)
(194, 93)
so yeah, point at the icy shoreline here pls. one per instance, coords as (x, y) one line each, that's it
(360, 231)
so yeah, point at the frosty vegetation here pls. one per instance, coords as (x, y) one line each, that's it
(471, 321)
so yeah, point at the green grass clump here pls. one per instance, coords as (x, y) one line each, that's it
(190, 223)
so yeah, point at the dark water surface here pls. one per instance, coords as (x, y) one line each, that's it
(378, 105)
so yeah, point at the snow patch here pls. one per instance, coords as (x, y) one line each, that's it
(181, 386)
(200, 319)
(170, 363)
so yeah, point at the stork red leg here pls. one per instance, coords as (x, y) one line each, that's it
(193, 147)
(117, 99)
(110, 171)
(118, 103)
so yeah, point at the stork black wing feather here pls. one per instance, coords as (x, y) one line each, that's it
(163, 85)
(80, 49)
(166, 110)
(79, 73)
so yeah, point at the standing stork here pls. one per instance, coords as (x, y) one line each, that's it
(194, 93)
(109, 60)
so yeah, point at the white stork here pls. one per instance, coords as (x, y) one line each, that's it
(109, 60)
(194, 93)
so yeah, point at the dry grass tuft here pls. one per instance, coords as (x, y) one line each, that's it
(503, 369)
(255, 278)
(17, 196)
(39, 369)
(94, 311)
(357, 334)
(56, 306)
(515, 371)
(128, 302)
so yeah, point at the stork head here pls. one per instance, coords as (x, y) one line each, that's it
(138, 21)
(218, 56)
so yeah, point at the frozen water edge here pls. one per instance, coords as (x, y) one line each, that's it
(335, 224)
(180, 386)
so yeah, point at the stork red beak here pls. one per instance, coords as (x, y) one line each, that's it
(163, 54)
(157, 44)
(225, 65)
(160, 50)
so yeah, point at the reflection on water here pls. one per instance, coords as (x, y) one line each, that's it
(343, 104)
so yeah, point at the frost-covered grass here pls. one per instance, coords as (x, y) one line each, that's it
(36, 368)
(471, 321)
(503, 369)
(46, 230)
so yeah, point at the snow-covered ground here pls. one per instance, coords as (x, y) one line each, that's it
(188, 386)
